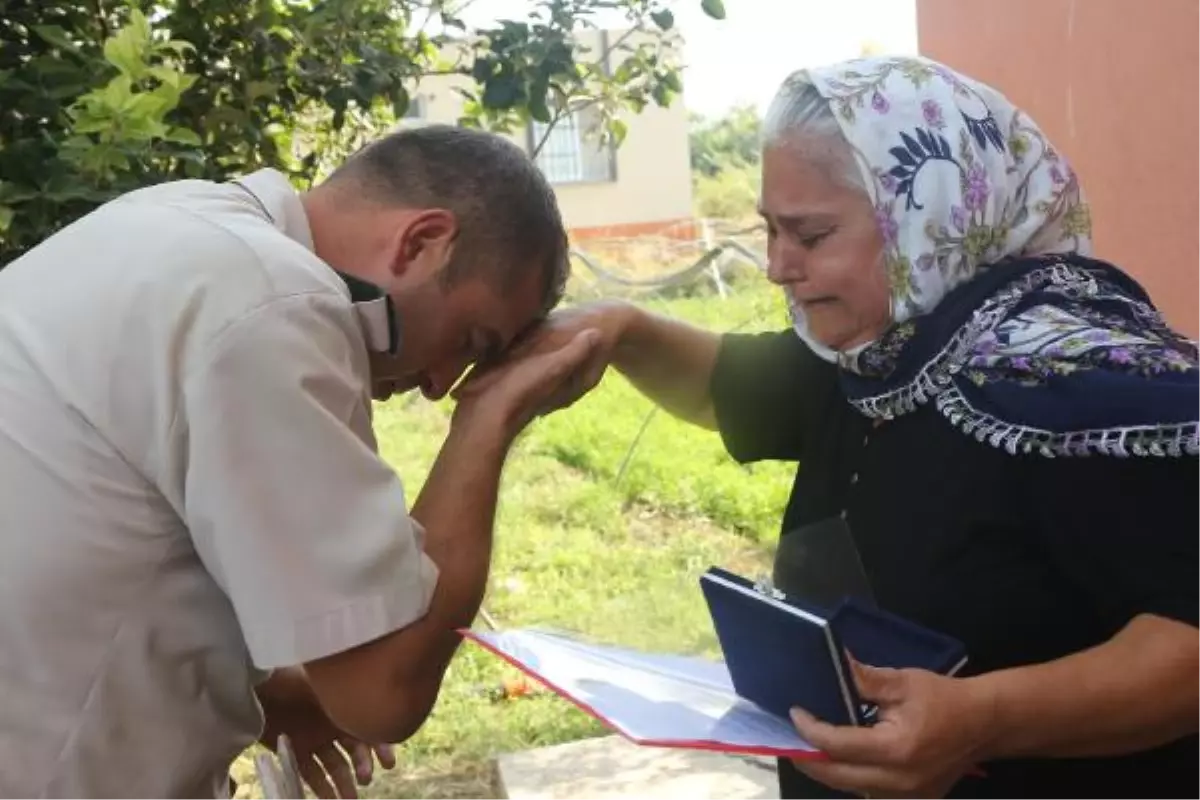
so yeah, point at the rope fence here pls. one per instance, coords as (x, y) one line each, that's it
(717, 258)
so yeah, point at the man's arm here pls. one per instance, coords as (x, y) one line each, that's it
(306, 530)
(384, 690)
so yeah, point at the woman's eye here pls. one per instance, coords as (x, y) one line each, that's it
(815, 239)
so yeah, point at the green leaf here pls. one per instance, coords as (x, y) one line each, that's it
(714, 8)
(117, 94)
(256, 90)
(122, 53)
(177, 80)
(178, 47)
(149, 105)
(481, 70)
(183, 136)
(11, 193)
(64, 189)
(138, 26)
(617, 129)
(400, 102)
(539, 111)
(662, 95)
(91, 125)
(141, 129)
(191, 156)
(103, 161)
(502, 92)
(6, 218)
(539, 92)
(287, 56)
(56, 36)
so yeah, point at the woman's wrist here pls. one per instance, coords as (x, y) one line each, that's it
(628, 326)
(991, 722)
(1031, 712)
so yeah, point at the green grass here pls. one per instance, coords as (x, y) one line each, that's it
(576, 549)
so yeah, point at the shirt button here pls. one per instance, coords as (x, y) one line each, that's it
(844, 513)
(866, 440)
(854, 478)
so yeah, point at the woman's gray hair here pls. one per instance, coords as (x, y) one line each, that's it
(799, 116)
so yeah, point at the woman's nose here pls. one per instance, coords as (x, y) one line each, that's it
(784, 265)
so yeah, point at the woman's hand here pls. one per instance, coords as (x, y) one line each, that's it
(517, 389)
(931, 730)
(668, 361)
(605, 320)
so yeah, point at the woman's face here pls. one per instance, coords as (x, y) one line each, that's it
(824, 247)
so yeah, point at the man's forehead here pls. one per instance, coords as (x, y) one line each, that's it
(522, 306)
(493, 310)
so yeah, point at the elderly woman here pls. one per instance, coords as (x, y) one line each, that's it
(1007, 427)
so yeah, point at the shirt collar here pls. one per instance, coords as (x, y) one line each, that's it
(278, 201)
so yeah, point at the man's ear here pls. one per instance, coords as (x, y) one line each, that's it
(423, 241)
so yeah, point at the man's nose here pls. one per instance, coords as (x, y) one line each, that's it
(439, 381)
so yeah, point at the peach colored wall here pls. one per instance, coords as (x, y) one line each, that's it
(1114, 85)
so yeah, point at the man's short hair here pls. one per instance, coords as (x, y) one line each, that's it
(508, 216)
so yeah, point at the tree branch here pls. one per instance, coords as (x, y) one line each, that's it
(570, 108)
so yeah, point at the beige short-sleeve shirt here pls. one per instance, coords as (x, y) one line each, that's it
(190, 493)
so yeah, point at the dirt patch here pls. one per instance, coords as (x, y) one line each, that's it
(475, 781)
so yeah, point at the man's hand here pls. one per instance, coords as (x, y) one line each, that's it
(607, 319)
(931, 731)
(544, 376)
(330, 761)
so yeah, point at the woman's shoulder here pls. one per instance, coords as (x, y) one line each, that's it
(772, 395)
(1083, 266)
(781, 357)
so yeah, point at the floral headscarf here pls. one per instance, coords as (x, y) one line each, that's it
(999, 317)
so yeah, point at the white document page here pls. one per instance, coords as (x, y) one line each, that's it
(662, 700)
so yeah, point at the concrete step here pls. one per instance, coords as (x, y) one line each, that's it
(611, 767)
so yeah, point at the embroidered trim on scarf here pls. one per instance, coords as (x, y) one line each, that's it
(937, 381)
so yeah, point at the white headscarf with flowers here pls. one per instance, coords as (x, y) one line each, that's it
(960, 177)
(1033, 347)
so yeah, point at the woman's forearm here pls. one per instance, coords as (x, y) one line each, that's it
(670, 362)
(1136, 691)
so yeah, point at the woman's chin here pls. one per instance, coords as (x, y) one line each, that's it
(837, 340)
(842, 338)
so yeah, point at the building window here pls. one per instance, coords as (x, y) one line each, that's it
(572, 152)
(416, 108)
